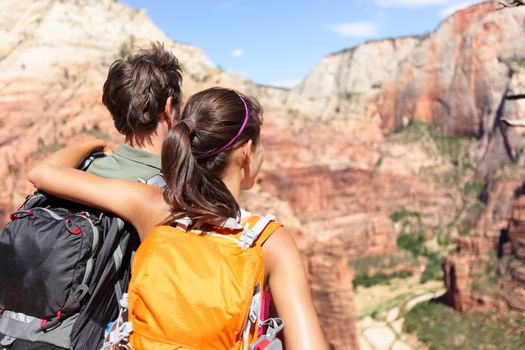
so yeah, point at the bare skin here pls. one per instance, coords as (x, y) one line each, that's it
(144, 207)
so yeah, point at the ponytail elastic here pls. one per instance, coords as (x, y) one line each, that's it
(238, 133)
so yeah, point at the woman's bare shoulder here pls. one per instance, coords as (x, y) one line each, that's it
(280, 248)
(152, 208)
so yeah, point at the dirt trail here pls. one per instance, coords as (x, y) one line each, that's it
(381, 311)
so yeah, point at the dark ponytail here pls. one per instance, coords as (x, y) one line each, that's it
(210, 120)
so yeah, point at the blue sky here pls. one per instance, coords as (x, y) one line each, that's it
(279, 42)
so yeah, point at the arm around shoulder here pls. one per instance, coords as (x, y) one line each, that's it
(291, 292)
(56, 175)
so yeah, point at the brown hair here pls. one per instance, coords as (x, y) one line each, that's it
(136, 89)
(211, 118)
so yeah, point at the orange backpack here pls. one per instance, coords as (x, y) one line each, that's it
(199, 289)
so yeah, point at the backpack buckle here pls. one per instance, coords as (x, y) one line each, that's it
(269, 341)
(263, 343)
(275, 325)
(247, 238)
(81, 291)
(73, 230)
(7, 341)
(20, 214)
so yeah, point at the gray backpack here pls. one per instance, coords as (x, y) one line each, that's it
(63, 269)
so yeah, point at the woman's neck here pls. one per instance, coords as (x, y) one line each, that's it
(232, 180)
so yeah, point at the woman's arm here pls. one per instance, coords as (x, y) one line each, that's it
(291, 292)
(72, 156)
(138, 204)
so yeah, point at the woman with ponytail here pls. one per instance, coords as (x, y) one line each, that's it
(213, 153)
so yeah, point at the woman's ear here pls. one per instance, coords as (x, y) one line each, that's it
(247, 152)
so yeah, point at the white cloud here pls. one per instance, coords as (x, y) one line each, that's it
(412, 3)
(237, 53)
(286, 83)
(447, 11)
(355, 29)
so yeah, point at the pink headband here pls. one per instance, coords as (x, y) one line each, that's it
(238, 133)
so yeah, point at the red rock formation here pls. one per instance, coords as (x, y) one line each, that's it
(331, 283)
(456, 77)
(498, 208)
(459, 59)
(457, 281)
(322, 194)
(486, 253)
(517, 228)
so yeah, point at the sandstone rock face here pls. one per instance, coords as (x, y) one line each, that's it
(332, 292)
(499, 232)
(341, 85)
(498, 209)
(321, 194)
(517, 227)
(486, 270)
(456, 77)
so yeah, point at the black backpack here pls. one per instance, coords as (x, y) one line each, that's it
(63, 269)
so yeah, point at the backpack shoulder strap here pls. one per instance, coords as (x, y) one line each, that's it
(86, 163)
(258, 230)
(269, 230)
(156, 180)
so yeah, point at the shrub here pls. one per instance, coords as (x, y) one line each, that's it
(473, 187)
(415, 244)
(412, 243)
(399, 215)
(434, 269)
(387, 261)
(440, 328)
(379, 278)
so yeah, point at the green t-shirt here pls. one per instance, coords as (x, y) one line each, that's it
(127, 163)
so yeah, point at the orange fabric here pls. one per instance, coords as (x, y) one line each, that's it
(191, 291)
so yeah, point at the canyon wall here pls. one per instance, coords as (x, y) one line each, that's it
(487, 268)
(456, 77)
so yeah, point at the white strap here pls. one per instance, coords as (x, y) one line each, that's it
(184, 223)
(249, 236)
(118, 335)
(253, 315)
(262, 223)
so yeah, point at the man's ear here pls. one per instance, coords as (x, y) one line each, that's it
(169, 111)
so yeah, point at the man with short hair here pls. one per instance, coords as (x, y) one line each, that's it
(143, 94)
